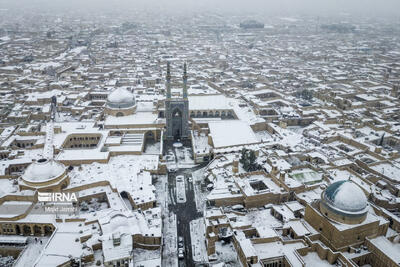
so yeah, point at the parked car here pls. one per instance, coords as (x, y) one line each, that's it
(180, 242)
(181, 253)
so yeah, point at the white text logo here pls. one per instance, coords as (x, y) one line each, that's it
(57, 197)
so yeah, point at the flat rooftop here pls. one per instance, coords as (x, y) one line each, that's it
(231, 133)
(208, 102)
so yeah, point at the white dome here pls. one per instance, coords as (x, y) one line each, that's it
(120, 98)
(43, 170)
(345, 196)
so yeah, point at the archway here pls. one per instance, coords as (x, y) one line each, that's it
(149, 135)
(151, 144)
(17, 230)
(177, 113)
(48, 230)
(125, 198)
(37, 230)
(27, 230)
(177, 123)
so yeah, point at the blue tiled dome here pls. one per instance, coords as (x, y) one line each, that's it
(345, 196)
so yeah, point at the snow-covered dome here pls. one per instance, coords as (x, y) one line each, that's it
(345, 196)
(120, 98)
(43, 170)
(345, 202)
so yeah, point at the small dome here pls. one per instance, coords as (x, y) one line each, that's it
(120, 98)
(345, 196)
(43, 170)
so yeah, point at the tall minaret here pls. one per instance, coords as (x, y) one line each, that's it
(168, 84)
(184, 82)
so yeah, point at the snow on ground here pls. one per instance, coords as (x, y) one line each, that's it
(31, 252)
(263, 136)
(259, 218)
(170, 257)
(239, 133)
(200, 143)
(200, 194)
(389, 170)
(144, 257)
(226, 253)
(161, 186)
(197, 237)
(98, 256)
(296, 129)
(152, 148)
(184, 157)
(312, 259)
(6, 187)
(391, 249)
(169, 252)
(118, 169)
(288, 138)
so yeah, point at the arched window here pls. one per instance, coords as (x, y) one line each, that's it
(177, 113)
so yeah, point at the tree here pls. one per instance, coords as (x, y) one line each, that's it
(248, 160)
(252, 160)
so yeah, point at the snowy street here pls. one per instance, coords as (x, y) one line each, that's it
(198, 240)
(180, 185)
(169, 249)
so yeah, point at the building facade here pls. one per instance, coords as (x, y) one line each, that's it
(177, 111)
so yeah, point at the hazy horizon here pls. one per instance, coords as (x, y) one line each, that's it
(367, 8)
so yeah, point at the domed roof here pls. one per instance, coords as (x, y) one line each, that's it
(43, 170)
(120, 98)
(345, 196)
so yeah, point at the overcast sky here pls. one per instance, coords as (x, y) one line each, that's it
(372, 8)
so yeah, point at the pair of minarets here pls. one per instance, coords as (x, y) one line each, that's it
(184, 77)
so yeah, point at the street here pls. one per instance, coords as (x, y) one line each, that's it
(185, 210)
